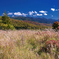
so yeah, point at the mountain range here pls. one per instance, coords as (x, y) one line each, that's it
(38, 19)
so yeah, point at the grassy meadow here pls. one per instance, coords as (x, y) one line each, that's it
(29, 44)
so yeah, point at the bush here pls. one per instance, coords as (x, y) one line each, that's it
(3, 26)
(51, 47)
(55, 25)
(6, 26)
(10, 27)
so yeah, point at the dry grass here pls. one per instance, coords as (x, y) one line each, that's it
(25, 44)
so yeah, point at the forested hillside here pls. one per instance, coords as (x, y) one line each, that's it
(8, 23)
(38, 19)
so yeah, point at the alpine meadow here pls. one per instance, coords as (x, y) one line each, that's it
(29, 29)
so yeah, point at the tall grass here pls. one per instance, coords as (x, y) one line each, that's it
(25, 44)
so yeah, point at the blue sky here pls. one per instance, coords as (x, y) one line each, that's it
(32, 8)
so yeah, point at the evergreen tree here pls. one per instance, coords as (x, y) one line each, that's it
(6, 23)
(5, 18)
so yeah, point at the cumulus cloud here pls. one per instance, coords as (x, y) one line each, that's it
(39, 14)
(18, 13)
(24, 14)
(44, 12)
(31, 12)
(35, 12)
(10, 13)
(53, 9)
(57, 9)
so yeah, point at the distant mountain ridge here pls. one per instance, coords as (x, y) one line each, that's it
(39, 20)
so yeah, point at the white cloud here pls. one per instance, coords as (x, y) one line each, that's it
(39, 14)
(17, 13)
(35, 12)
(24, 14)
(45, 14)
(53, 9)
(31, 12)
(43, 11)
(10, 13)
(57, 9)
(20, 14)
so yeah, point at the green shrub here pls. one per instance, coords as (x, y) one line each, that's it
(10, 27)
(3, 26)
(6, 26)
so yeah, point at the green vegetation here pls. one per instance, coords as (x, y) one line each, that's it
(5, 19)
(5, 22)
(8, 23)
(19, 24)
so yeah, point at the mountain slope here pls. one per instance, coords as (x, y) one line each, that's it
(40, 20)
(22, 24)
(25, 24)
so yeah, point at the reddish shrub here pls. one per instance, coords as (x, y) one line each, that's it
(53, 42)
(58, 27)
(55, 25)
(50, 44)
